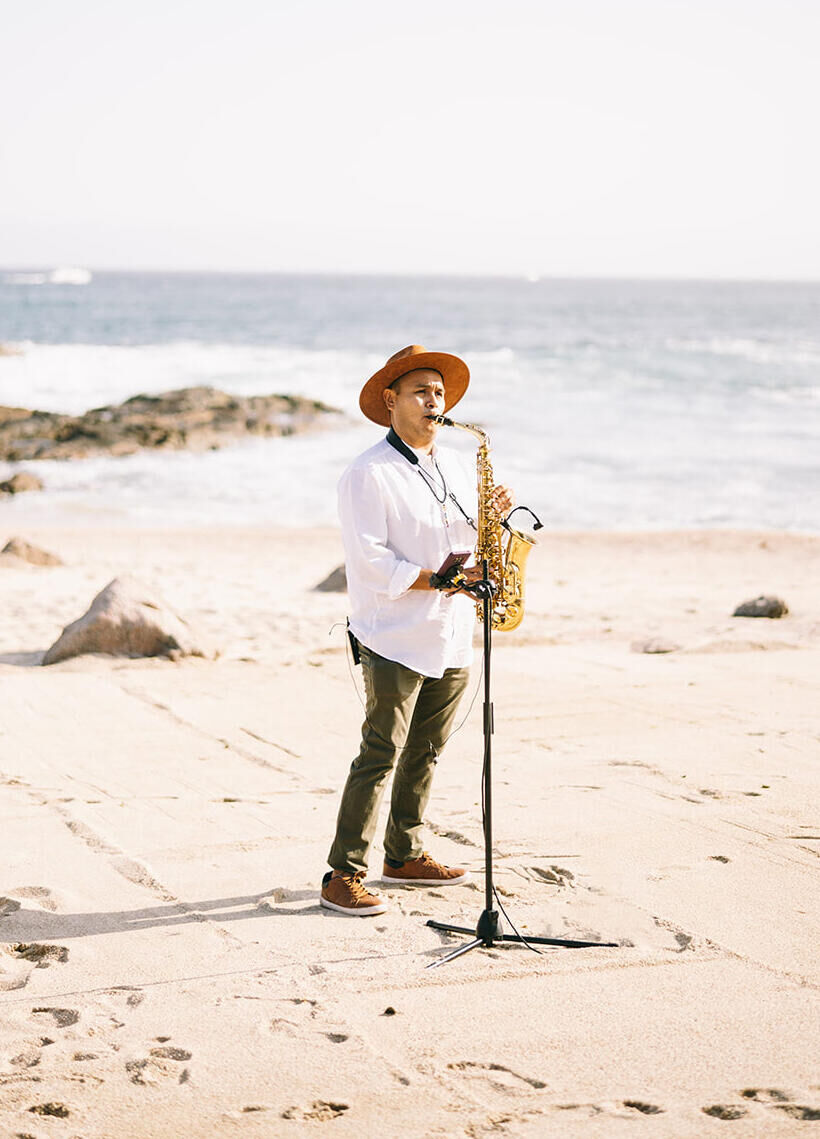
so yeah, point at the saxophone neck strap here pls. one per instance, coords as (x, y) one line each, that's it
(399, 444)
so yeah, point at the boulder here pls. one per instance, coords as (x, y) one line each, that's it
(335, 582)
(127, 618)
(18, 548)
(23, 480)
(762, 606)
(655, 645)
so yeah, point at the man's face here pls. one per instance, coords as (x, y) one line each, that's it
(412, 399)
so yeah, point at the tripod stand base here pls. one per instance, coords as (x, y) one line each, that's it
(486, 934)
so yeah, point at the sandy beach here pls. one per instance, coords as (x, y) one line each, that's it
(166, 970)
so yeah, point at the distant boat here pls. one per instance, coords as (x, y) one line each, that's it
(69, 275)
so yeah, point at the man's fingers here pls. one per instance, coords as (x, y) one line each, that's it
(503, 498)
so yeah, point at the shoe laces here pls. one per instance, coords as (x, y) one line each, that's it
(356, 885)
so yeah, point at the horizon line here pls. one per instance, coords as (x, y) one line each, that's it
(529, 278)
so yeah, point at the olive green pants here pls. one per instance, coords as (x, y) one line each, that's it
(408, 720)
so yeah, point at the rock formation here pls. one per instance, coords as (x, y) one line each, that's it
(198, 419)
(127, 618)
(762, 606)
(24, 551)
(335, 582)
(23, 480)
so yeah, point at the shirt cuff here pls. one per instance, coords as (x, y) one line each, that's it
(403, 577)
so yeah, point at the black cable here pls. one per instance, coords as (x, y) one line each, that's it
(539, 525)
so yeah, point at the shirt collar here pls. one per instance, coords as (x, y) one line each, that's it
(410, 453)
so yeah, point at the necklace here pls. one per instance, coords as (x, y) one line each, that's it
(431, 482)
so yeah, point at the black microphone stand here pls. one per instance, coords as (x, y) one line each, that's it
(487, 929)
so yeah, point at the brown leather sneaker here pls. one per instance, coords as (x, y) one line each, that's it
(424, 871)
(347, 894)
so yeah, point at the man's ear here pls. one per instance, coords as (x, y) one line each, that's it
(389, 397)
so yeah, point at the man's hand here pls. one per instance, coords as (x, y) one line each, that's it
(503, 499)
(468, 575)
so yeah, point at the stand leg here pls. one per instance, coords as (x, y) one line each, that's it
(455, 952)
(563, 942)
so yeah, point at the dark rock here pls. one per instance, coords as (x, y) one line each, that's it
(335, 582)
(192, 418)
(17, 548)
(762, 607)
(23, 480)
(127, 618)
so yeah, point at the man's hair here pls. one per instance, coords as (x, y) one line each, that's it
(398, 379)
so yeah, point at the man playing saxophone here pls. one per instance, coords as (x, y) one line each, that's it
(406, 505)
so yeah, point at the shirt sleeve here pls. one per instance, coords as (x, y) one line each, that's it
(369, 561)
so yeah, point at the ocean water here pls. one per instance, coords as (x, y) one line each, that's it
(609, 404)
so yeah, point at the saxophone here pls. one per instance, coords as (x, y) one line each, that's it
(504, 548)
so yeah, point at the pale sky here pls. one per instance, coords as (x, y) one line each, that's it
(550, 137)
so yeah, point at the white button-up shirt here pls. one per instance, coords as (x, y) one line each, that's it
(393, 526)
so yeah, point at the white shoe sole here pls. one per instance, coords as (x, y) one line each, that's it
(465, 877)
(370, 911)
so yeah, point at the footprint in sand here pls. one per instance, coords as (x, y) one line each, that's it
(552, 875)
(23, 957)
(159, 1066)
(41, 955)
(57, 1110)
(621, 1109)
(39, 894)
(642, 1107)
(320, 1111)
(452, 835)
(589, 1109)
(501, 1077)
(298, 1011)
(782, 1101)
(282, 894)
(766, 1095)
(61, 1017)
(29, 1057)
(799, 1111)
(171, 1053)
(725, 1111)
(133, 996)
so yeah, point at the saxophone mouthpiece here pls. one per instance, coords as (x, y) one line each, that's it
(442, 419)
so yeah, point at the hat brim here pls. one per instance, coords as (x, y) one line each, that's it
(453, 371)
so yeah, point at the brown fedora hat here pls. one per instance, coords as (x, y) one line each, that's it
(453, 371)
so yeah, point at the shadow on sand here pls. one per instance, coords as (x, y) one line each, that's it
(29, 925)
